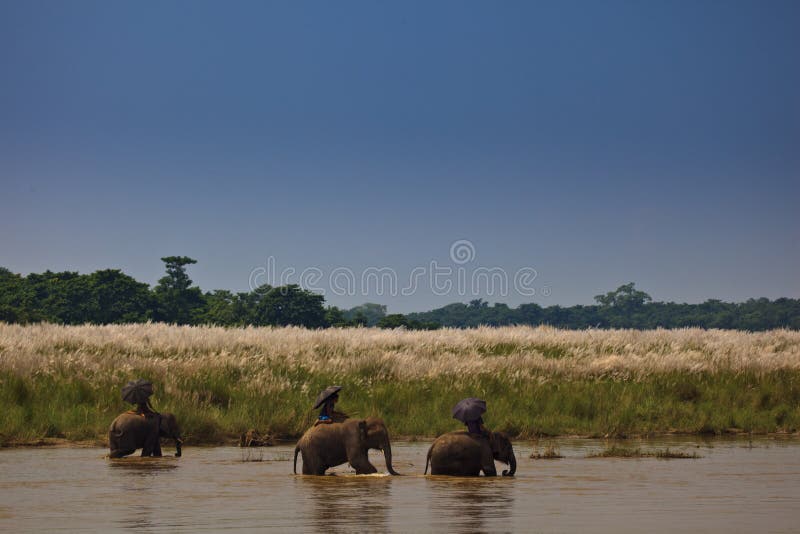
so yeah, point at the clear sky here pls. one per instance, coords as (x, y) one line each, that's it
(595, 142)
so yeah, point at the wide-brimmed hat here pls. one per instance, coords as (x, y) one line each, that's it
(326, 394)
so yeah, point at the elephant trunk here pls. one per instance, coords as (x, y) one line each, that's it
(178, 443)
(387, 454)
(512, 463)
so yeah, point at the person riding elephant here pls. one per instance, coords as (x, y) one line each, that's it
(467, 454)
(131, 431)
(328, 445)
(469, 412)
(138, 392)
(327, 399)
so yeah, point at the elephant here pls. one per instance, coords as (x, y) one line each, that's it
(329, 445)
(131, 431)
(465, 454)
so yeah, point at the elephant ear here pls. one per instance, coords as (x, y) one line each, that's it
(493, 441)
(168, 425)
(502, 442)
(163, 424)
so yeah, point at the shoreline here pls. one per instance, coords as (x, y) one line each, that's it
(53, 443)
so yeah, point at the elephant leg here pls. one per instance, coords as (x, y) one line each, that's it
(157, 448)
(152, 442)
(147, 449)
(306, 467)
(487, 462)
(361, 464)
(357, 452)
(309, 468)
(312, 466)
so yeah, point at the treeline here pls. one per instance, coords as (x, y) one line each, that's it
(626, 307)
(110, 296)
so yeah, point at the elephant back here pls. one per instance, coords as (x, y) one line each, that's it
(465, 454)
(127, 431)
(458, 453)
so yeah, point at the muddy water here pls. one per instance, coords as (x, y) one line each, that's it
(737, 485)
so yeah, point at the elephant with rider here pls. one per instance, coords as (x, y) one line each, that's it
(467, 454)
(131, 431)
(328, 445)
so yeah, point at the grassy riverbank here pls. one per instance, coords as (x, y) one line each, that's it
(64, 382)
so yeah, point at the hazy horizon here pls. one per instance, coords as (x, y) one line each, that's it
(595, 144)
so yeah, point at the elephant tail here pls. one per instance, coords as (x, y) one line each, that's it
(294, 466)
(114, 435)
(427, 460)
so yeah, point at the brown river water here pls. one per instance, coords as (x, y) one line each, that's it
(737, 486)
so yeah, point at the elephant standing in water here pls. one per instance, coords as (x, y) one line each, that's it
(329, 445)
(131, 431)
(465, 454)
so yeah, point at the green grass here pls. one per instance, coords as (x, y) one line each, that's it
(218, 404)
(64, 382)
(550, 452)
(625, 452)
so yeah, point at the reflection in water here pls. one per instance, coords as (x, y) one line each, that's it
(478, 504)
(145, 466)
(347, 503)
(135, 476)
(730, 488)
(139, 517)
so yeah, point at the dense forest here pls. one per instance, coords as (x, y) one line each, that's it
(626, 307)
(110, 296)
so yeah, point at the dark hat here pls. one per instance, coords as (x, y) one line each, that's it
(329, 392)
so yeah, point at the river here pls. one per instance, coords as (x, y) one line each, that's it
(736, 485)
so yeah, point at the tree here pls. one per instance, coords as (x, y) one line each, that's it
(12, 297)
(393, 320)
(335, 317)
(529, 314)
(398, 320)
(220, 308)
(290, 305)
(360, 319)
(118, 298)
(624, 297)
(369, 310)
(110, 296)
(176, 301)
(63, 297)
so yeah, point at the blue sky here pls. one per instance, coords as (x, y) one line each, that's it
(595, 142)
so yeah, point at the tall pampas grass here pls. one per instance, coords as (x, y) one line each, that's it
(224, 380)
